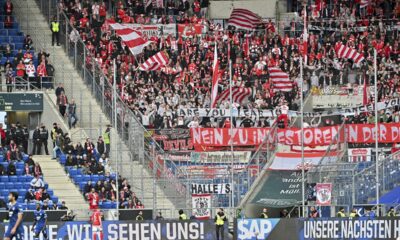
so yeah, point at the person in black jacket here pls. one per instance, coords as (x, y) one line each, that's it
(11, 170)
(100, 146)
(25, 138)
(44, 136)
(2, 171)
(36, 141)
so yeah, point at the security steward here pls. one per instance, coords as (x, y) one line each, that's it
(220, 220)
(391, 212)
(354, 213)
(264, 213)
(36, 141)
(55, 31)
(182, 215)
(106, 139)
(139, 217)
(341, 213)
(44, 136)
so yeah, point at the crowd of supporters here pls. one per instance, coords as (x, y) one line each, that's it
(20, 64)
(185, 82)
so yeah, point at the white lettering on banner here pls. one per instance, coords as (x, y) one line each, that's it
(352, 229)
(78, 230)
(257, 229)
(204, 112)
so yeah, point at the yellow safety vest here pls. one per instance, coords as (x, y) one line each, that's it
(391, 214)
(54, 134)
(352, 215)
(182, 216)
(55, 26)
(340, 214)
(264, 215)
(139, 218)
(106, 137)
(220, 221)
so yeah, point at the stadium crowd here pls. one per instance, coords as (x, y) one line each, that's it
(185, 82)
(19, 60)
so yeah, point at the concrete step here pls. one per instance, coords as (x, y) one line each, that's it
(61, 184)
(74, 86)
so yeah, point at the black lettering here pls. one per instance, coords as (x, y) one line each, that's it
(215, 188)
(208, 110)
(194, 188)
(227, 188)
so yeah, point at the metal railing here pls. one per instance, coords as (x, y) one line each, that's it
(141, 146)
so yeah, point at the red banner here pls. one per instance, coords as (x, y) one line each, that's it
(189, 30)
(204, 138)
(255, 136)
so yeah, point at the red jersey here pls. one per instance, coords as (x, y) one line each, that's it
(93, 199)
(95, 219)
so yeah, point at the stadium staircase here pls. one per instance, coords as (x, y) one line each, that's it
(61, 184)
(92, 120)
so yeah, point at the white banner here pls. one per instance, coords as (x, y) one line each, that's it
(221, 188)
(201, 206)
(215, 112)
(220, 157)
(155, 29)
(359, 154)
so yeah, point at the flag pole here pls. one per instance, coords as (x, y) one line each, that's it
(116, 144)
(303, 187)
(231, 119)
(376, 134)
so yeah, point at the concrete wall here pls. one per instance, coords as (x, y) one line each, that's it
(223, 9)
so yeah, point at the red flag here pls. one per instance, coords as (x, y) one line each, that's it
(214, 90)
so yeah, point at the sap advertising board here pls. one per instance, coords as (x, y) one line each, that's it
(321, 228)
(128, 230)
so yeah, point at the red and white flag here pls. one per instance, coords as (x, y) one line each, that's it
(215, 78)
(155, 62)
(244, 19)
(240, 95)
(364, 3)
(305, 38)
(343, 51)
(280, 80)
(130, 38)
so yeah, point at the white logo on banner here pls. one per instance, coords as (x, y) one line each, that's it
(201, 206)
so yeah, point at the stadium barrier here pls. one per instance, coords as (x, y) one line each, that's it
(128, 230)
(52, 215)
(321, 228)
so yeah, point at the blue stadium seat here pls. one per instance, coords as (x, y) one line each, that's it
(86, 178)
(72, 172)
(54, 199)
(12, 179)
(106, 205)
(13, 32)
(82, 185)
(113, 205)
(25, 157)
(50, 191)
(20, 172)
(31, 206)
(1, 25)
(19, 45)
(78, 178)
(63, 159)
(28, 178)
(20, 165)
(18, 185)
(2, 185)
(3, 32)
(21, 193)
(3, 178)
(95, 178)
